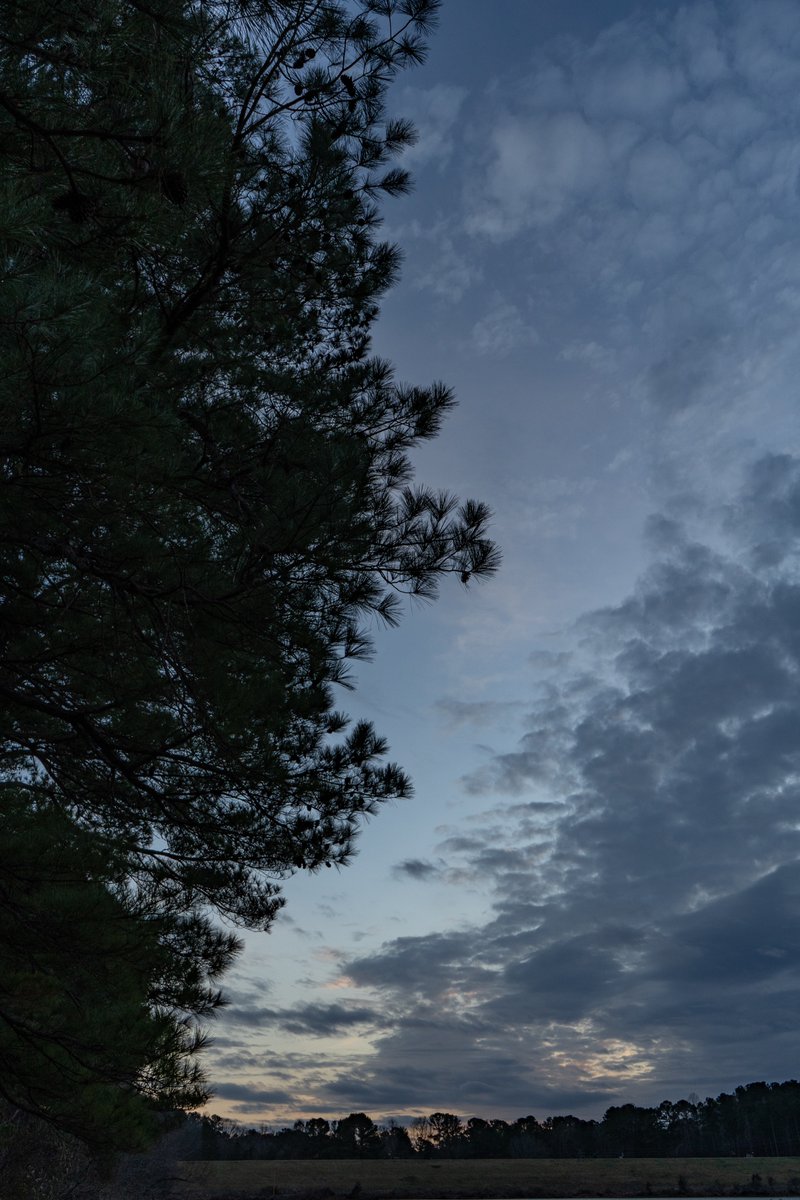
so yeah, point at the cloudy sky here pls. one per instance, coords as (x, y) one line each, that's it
(594, 895)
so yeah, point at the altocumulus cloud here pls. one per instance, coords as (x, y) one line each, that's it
(646, 923)
(655, 171)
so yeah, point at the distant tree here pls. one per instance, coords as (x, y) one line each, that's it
(786, 1108)
(214, 1138)
(631, 1130)
(526, 1139)
(721, 1125)
(488, 1139)
(645, 1130)
(357, 1136)
(318, 1132)
(420, 1135)
(395, 1141)
(205, 485)
(756, 1104)
(446, 1132)
(477, 1133)
(501, 1134)
(680, 1127)
(569, 1136)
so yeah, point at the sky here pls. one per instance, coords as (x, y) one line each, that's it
(593, 896)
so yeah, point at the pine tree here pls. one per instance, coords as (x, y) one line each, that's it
(206, 485)
(101, 989)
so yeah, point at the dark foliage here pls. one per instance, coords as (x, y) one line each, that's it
(758, 1118)
(205, 489)
(100, 988)
(205, 501)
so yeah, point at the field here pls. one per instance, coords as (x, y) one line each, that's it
(485, 1178)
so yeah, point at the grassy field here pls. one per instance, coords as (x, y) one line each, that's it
(512, 1177)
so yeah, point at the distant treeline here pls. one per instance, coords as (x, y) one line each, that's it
(761, 1119)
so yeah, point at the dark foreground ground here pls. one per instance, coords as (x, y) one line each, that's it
(488, 1179)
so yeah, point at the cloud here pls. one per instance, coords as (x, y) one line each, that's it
(422, 966)
(638, 846)
(322, 1020)
(767, 512)
(646, 892)
(475, 1081)
(434, 111)
(317, 1020)
(417, 869)
(549, 660)
(476, 712)
(449, 271)
(502, 329)
(765, 43)
(687, 373)
(255, 1016)
(250, 1097)
(637, 194)
(645, 186)
(640, 841)
(539, 166)
(597, 357)
(658, 176)
(550, 507)
(631, 69)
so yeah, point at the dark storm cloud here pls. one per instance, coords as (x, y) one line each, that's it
(481, 861)
(423, 966)
(239, 1061)
(484, 856)
(254, 1016)
(768, 510)
(570, 977)
(479, 1095)
(318, 1020)
(322, 1020)
(251, 1097)
(750, 938)
(417, 869)
(432, 1062)
(647, 894)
